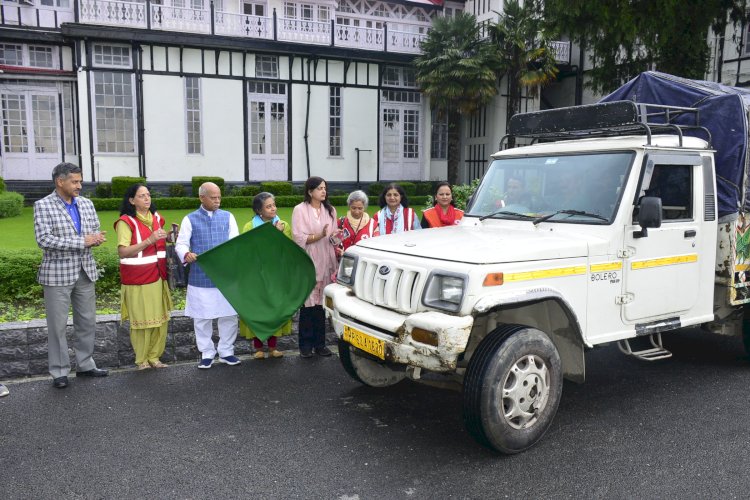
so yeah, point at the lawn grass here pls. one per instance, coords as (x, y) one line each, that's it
(17, 233)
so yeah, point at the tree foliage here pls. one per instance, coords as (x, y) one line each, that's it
(456, 69)
(626, 37)
(526, 59)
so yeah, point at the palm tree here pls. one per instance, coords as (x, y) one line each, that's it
(526, 58)
(457, 71)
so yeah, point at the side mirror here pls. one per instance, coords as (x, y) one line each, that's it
(649, 215)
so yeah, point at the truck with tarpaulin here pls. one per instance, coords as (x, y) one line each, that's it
(628, 219)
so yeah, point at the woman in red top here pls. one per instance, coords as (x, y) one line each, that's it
(144, 295)
(357, 224)
(444, 211)
(395, 215)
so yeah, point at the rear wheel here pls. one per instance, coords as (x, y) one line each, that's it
(368, 371)
(512, 388)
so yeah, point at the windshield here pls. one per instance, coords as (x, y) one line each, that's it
(579, 188)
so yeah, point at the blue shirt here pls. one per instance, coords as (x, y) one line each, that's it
(72, 209)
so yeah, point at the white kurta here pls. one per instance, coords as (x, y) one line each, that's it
(203, 303)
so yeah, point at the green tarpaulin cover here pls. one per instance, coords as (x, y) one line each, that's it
(263, 274)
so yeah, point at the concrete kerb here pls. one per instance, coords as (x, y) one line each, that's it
(23, 345)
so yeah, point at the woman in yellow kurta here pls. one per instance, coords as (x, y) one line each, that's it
(144, 294)
(264, 206)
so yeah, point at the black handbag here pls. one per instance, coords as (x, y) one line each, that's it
(177, 273)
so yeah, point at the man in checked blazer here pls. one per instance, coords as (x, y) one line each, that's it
(66, 227)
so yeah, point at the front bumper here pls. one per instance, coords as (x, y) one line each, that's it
(395, 330)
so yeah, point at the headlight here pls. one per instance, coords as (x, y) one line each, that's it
(444, 291)
(347, 266)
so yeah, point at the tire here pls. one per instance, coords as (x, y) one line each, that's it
(367, 371)
(515, 369)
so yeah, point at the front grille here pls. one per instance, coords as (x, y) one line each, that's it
(399, 289)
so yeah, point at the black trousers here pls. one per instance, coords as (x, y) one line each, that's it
(312, 328)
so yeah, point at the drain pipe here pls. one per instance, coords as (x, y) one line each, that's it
(307, 120)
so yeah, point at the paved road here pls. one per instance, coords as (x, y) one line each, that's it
(295, 428)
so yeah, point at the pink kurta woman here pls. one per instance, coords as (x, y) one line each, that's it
(313, 222)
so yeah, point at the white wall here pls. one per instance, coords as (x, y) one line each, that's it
(359, 130)
(165, 135)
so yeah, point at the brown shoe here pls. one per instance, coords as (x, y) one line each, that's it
(276, 353)
(259, 355)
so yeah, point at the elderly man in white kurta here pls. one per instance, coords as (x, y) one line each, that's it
(201, 231)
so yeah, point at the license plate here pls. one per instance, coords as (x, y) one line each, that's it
(361, 340)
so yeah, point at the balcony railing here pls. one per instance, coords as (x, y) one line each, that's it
(38, 17)
(562, 52)
(158, 16)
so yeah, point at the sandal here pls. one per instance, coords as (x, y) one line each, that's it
(259, 355)
(157, 364)
(276, 353)
(143, 366)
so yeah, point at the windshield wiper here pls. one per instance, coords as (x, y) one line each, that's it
(506, 212)
(569, 212)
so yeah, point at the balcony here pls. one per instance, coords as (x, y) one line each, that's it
(157, 16)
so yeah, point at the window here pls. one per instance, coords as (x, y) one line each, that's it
(477, 126)
(254, 9)
(439, 142)
(396, 76)
(266, 66)
(32, 56)
(115, 124)
(673, 184)
(11, 54)
(68, 119)
(193, 115)
(334, 121)
(112, 56)
(307, 12)
(411, 133)
(63, 4)
(40, 57)
(266, 88)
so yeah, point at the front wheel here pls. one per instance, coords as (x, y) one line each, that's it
(367, 371)
(512, 388)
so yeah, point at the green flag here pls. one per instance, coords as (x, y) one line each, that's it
(263, 274)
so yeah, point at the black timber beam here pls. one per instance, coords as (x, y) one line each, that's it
(30, 34)
(218, 42)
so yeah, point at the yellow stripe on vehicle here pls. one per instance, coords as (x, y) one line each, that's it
(664, 261)
(545, 273)
(606, 266)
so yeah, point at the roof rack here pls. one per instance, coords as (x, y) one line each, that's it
(605, 119)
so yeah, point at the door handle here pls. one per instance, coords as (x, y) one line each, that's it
(690, 233)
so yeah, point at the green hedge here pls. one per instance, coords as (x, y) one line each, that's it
(198, 180)
(18, 270)
(2, 185)
(424, 188)
(103, 190)
(249, 190)
(239, 202)
(277, 188)
(177, 191)
(375, 188)
(121, 184)
(11, 204)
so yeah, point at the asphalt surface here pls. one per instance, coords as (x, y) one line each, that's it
(297, 428)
